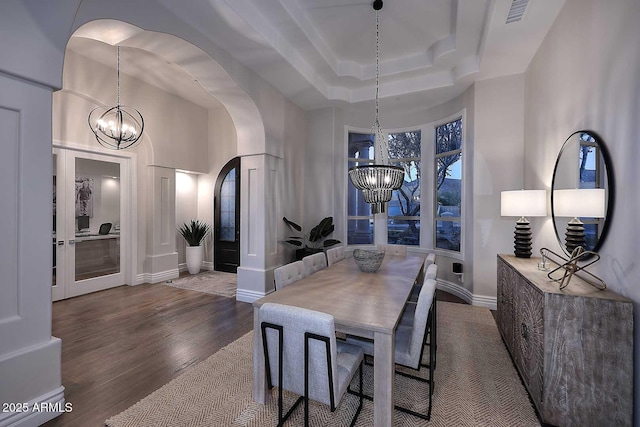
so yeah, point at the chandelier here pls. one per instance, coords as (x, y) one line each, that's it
(116, 127)
(377, 181)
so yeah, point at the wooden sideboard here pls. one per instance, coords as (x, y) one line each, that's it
(573, 348)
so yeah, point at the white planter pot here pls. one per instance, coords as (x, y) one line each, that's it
(194, 258)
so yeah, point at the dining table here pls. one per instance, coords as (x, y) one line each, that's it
(363, 304)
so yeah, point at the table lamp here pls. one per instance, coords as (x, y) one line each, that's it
(578, 203)
(523, 203)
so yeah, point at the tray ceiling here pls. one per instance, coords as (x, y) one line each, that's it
(321, 53)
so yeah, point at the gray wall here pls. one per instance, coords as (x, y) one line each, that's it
(585, 76)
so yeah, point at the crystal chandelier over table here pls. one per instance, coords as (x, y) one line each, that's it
(377, 181)
(116, 127)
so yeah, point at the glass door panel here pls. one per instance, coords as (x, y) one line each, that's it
(88, 200)
(53, 223)
(227, 218)
(97, 218)
(58, 235)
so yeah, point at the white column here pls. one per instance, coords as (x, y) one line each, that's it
(260, 180)
(30, 358)
(161, 262)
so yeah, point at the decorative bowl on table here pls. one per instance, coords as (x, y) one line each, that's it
(368, 261)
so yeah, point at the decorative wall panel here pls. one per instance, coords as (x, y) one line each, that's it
(9, 185)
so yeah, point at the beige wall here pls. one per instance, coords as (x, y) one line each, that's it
(175, 143)
(498, 163)
(186, 206)
(585, 76)
(175, 129)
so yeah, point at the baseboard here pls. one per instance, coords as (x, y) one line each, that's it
(41, 409)
(481, 301)
(245, 295)
(463, 293)
(157, 277)
(206, 266)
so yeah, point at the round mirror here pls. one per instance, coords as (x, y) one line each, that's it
(582, 192)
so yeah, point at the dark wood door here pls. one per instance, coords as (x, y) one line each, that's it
(227, 218)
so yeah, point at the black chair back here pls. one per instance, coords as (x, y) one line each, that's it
(104, 228)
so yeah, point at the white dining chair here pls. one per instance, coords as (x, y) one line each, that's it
(409, 309)
(288, 274)
(389, 249)
(303, 356)
(430, 272)
(315, 262)
(430, 259)
(334, 255)
(410, 341)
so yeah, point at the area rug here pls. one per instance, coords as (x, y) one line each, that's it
(210, 282)
(475, 385)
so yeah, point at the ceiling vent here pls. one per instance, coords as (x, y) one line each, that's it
(518, 7)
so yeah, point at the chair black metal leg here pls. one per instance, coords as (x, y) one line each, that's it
(278, 328)
(361, 395)
(430, 333)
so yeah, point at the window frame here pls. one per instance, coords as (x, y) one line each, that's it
(462, 151)
(427, 191)
(371, 217)
(394, 161)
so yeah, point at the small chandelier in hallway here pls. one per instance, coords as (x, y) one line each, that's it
(116, 127)
(377, 181)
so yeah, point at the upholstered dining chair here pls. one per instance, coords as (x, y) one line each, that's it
(409, 309)
(410, 341)
(430, 272)
(430, 259)
(288, 274)
(334, 255)
(315, 262)
(303, 356)
(408, 316)
(399, 250)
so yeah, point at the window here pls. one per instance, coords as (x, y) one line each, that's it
(590, 176)
(448, 185)
(359, 217)
(439, 157)
(403, 218)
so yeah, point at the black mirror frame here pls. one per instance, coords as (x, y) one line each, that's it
(611, 190)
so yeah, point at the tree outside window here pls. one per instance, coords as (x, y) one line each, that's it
(448, 185)
(404, 210)
(403, 220)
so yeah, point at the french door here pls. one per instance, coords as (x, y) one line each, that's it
(90, 225)
(227, 218)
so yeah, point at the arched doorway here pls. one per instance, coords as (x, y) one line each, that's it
(226, 236)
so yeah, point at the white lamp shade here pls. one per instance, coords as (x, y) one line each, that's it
(581, 202)
(523, 203)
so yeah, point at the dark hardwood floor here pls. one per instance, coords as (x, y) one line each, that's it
(122, 344)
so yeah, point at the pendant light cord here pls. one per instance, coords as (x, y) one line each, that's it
(118, 78)
(376, 125)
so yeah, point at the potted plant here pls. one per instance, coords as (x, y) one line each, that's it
(194, 233)
(314, 241)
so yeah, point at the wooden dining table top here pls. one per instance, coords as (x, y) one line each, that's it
(370, 301)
